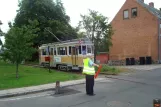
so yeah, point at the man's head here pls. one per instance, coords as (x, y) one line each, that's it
(90, 55)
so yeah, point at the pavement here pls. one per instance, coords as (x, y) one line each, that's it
(40, 88)
(137, 89)
(142, 67)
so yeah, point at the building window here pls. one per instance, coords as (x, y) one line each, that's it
(134, 12)
(126, 14)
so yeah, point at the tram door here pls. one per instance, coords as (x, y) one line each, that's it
(74, 56)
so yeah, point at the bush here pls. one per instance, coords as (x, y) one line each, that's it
(109, 70)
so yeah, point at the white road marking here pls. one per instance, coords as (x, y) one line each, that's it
(21, 98)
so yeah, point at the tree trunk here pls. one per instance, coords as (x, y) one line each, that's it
(93, 41)
(95, 52)
(17, 75)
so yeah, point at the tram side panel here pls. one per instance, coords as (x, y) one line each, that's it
(67, 60)
(44, 60)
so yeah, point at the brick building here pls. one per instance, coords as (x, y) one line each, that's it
(137, 27)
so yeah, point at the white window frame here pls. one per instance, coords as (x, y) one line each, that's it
(124, 14)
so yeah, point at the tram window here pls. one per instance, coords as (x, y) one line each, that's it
(89, 50)
(54, 51)
(43, 52)
(69, 50)
(51, 51)
(62, 50)
(66, 51)
(80, 50)
(83, 50)
(74, 51)
(59, 50)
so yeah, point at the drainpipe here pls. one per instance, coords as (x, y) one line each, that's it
(159, 39)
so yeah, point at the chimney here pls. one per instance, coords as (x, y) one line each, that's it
(151, 4)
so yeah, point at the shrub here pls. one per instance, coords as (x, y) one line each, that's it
(109, 70)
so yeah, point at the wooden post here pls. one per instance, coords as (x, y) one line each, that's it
(57, 87)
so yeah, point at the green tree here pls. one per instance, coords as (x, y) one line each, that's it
(49, 14)
(0, 42)
(98, 30)
(18, 43)
(1, 34)
(81, 34)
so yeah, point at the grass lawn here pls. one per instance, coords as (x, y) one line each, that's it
(30, 76)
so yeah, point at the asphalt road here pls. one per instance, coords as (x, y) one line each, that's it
(137, 89)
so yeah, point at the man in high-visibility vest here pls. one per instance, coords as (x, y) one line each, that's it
(89, 71)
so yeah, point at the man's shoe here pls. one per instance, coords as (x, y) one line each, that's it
(87, 93)
(91, 94)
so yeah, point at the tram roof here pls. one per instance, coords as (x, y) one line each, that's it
(73, 41)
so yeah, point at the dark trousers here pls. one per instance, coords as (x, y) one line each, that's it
(89, 84)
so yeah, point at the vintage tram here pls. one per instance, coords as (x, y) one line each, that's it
(65, 55)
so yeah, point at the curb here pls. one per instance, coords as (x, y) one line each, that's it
(109, 74)
(41, 88)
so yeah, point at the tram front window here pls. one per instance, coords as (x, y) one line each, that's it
(80, 50)
(89, 50)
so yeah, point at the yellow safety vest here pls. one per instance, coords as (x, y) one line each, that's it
(87, 69)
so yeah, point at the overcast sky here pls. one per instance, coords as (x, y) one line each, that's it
(73, 8)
